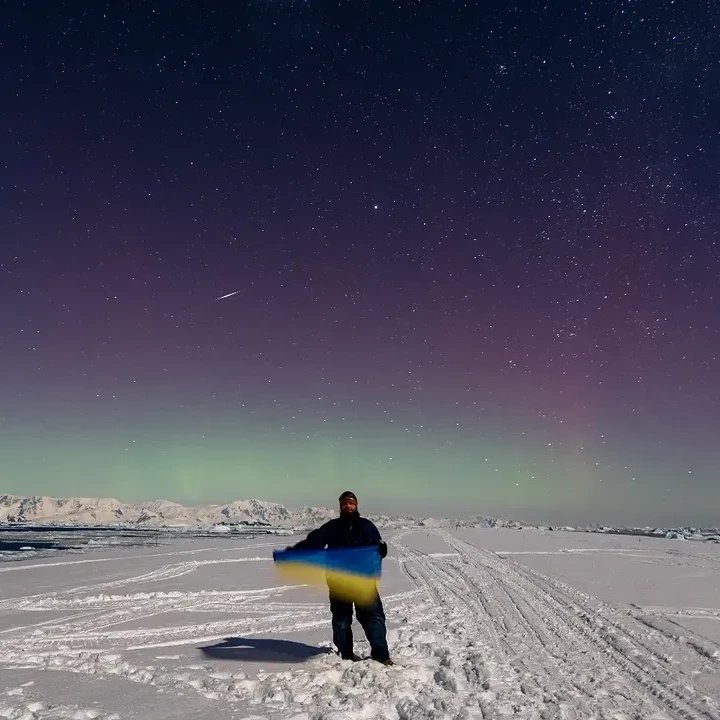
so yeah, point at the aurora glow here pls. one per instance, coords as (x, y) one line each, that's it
(279, 251)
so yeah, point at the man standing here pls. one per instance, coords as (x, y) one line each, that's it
(352, 530)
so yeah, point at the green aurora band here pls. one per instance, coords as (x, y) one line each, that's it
(392, 471)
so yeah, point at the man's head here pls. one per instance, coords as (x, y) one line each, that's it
(348, 503)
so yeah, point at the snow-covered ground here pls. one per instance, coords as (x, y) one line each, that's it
(482, 624)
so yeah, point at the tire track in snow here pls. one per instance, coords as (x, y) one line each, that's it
(512, 675)
(540, 641)
(492, 640)
(91, 629)
(102, 612)
(572, 615)
(417, 691)
(71, 641)
(519, 653)
(652, 656)
(484, 661)
(29, 565)
(166, 572)
(529, 641)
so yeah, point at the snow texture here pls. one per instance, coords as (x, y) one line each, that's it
(482, 624)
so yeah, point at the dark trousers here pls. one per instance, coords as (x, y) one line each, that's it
(372, 620)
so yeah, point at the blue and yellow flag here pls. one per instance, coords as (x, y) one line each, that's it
(351, 573)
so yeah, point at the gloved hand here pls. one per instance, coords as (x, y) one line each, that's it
(277, 552)
(382, 549)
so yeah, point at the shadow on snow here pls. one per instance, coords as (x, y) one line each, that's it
(262, 650)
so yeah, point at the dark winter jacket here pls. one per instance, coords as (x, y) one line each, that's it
(344, 531)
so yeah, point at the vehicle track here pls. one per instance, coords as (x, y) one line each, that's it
(503, 658)
(478, 636)
(565, 621)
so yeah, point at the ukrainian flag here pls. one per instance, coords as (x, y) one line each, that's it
(351, 573)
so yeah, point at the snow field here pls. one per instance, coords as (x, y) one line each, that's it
(475, 633)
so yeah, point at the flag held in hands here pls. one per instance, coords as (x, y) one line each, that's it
(352, 573)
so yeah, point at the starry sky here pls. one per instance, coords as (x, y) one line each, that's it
(469, 252)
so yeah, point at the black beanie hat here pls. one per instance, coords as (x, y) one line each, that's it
(348, 494)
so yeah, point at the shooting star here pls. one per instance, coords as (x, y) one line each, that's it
(222, 297)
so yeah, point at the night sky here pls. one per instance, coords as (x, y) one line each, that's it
(473, 248)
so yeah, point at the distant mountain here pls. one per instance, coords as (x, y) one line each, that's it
(158, 513)
(48, 510)
(109, 511)
(104, 511)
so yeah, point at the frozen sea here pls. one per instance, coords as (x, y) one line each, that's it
(482, 624)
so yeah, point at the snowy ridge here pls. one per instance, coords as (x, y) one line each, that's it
(109, 511)
(166, 513)
(153, 513)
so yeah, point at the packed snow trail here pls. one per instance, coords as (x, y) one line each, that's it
(477, 636)
(550, 651)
